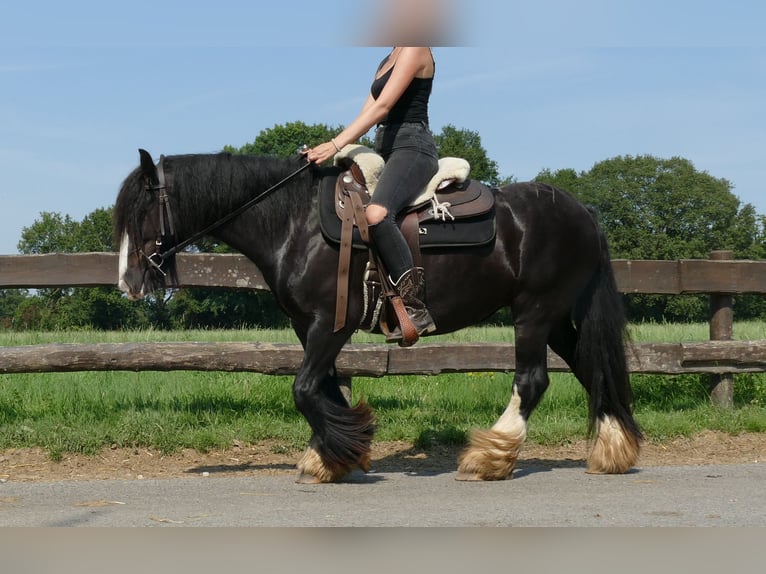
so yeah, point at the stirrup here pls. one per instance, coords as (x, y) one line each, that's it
(411, 309)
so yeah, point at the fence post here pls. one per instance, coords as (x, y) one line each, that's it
(721, 329)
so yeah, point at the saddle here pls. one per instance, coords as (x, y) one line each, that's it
(452, 211)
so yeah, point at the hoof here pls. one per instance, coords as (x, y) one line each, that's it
(304, 478)
(491, 456)
(475, 477)
(365, 463)
(615, 450)
(342, 454)
(313, 470)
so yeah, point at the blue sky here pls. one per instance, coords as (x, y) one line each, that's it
(547, 84)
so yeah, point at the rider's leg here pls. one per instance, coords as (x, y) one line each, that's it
(406, 173)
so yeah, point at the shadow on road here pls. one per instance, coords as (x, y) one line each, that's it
(246, 467)
(531, 466)
(413, 461)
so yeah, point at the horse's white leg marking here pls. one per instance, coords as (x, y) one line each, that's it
(492, 454)
(123, 268)
(614, 450)
(511, 422)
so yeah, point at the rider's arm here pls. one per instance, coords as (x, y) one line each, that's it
(409, 62)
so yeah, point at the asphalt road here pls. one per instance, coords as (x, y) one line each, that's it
(715, 495)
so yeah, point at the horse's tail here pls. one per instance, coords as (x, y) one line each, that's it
(602, 366)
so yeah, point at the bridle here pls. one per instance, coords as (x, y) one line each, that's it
(157, 259)
(167, 233)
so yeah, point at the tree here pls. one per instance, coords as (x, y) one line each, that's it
(224, 309)
(10, 300)
(94, 232)
(52, 233)
(284, 140)
(465, 143)
(56, 233)
(652, 208)
(657, 208)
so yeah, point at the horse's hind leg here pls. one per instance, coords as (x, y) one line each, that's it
(614, 449)
(492, 454)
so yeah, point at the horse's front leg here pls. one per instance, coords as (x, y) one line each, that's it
(341, 434)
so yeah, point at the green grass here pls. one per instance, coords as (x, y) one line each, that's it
(84, 412)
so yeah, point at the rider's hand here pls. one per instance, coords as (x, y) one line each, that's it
(321, 153)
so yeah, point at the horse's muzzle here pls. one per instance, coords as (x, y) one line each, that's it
(131, 293)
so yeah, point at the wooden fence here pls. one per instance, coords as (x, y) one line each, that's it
(720, 357)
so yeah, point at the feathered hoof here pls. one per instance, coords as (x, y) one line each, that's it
(353, 432)
(313, 469)
(365, 462)
(473, 477)
(491, 455)
(304, 478)
(614, 451)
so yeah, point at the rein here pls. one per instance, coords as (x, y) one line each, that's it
(165, 213)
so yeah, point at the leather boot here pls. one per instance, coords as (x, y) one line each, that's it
(412, 288)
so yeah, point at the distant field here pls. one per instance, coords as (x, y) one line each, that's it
(83, 412)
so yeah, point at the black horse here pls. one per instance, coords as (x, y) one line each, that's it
(549, 263)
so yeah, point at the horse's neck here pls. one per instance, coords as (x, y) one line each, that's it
(262, 232)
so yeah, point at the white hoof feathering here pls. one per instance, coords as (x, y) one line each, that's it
(492, 454)
(614, 450)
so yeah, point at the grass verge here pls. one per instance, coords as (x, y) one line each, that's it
(84, 412)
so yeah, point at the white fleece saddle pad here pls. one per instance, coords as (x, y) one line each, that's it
(451, 170)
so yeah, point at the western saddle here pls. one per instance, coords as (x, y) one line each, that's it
(449, 197)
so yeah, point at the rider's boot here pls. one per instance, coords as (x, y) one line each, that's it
(411, 287)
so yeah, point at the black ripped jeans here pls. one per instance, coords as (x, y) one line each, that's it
(411, 162)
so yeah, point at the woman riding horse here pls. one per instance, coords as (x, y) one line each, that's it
(549, 263)
(398, 104)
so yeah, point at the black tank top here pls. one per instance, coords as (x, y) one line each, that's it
(412, 106)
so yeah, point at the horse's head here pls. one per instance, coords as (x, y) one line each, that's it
(144, 229)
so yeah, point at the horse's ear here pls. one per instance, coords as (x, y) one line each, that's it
(147, 164)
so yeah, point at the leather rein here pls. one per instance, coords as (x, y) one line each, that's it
(157, 259)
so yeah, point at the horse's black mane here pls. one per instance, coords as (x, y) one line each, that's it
(206, 187)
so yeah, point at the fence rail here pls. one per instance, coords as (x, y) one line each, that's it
(720, 276)
(370, 360)
(231, 271)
